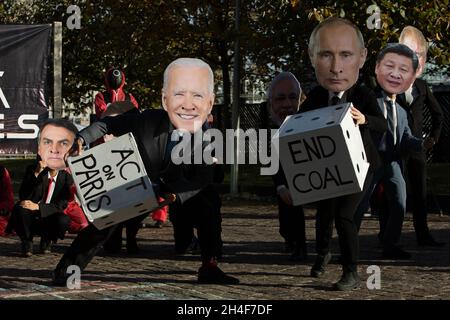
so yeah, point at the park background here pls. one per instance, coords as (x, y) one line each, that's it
(143, 36)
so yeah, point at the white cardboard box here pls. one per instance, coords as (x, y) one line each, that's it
(112, 183)
(322, 154)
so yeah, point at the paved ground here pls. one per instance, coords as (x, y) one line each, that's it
(253, 252)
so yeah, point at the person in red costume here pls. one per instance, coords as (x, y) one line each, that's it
(6, 199)
(114, 82)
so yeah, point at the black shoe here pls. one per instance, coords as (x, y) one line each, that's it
(59, 278)
(27, 248)
(45, 246)
(299, 253)
(429, 242)
(194, 246)
(159, 224)
(213, 275)
(396, 253)
(348, 281)
(318, 268)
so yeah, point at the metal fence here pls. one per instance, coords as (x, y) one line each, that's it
(256, 116)
(441, 151)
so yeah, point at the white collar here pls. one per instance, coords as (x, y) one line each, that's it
(331, 94)
(55, 177)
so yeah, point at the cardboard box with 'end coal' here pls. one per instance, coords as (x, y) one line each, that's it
(322, 154)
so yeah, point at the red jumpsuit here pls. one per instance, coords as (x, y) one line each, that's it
(6, 198)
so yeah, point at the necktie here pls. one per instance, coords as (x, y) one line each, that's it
(335, 100)
(392, 121)
(48, 195)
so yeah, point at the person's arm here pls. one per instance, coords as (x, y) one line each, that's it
(375, 121)
(30, 181)
(117, 126)
(133, 101)
(307, 105)
(6, 195)
(100, 105)
(411, 144)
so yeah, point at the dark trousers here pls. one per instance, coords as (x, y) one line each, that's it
(292, 223)
(416, 184)
(392, 213)
(90, 240)
(341, 210)
(114, 242)
(391, 219)
(183, 232)
(28, 223)
(83, 248)
(202, 212)
(86, 245)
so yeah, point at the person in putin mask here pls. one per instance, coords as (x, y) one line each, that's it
(337, 53)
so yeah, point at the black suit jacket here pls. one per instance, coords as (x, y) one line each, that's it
(365, 101)
(35, 189)
(279, 178)
(424, 99)
(151, 129)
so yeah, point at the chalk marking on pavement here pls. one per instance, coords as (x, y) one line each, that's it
(103, 287)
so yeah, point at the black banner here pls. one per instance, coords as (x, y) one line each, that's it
(24, 53)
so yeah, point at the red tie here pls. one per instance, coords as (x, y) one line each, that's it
(50, 181)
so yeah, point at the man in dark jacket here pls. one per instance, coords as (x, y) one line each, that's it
(417, 100)
(187, 99)
(337, 52)
(283, 100)
(45, 189)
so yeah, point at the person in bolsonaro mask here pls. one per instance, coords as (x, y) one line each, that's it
(114, 83)
(45, 190)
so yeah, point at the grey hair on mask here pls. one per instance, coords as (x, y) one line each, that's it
(189, 62)
(279, 77)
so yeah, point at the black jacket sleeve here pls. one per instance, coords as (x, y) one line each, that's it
(29, 183)
(118, 125)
